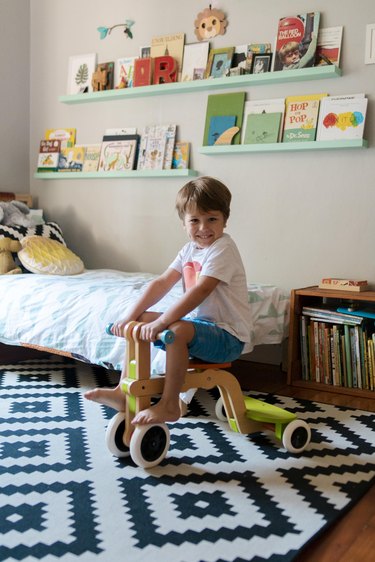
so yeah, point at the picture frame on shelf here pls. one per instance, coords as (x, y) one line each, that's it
(219, 62)
(261, 63)
(80, 71)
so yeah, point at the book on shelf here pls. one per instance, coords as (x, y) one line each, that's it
(328, 314)
(71, 159)
(48, 157)
(154, 153)
(296, 41)
(66, 136)
(335, 283)
(276, 105)
(170, 133)
(118, 153)
(328, 50)
(337, 354)
(92, 157)
(181, 153)
(172, 45)
(262, 128)
(218, 125)
(224, 105)
(194, 61)
(301, 117)
(342, 117)
(124, 72)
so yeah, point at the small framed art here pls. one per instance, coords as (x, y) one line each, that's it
(81, 69)
(261, 63)
(219, 62)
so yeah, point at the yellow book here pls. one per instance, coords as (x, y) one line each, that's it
(66, 136)
(301, 117)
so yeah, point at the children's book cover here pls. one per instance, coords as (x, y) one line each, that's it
(155, 148)
(124, 72)
(218, 125)
(181, 153)
(262, 128)
(71, 159)
(172, 45)
(92, 157)
(66, 136)
(224, 105)
(328, 50)
(342, 117)
(301, 117)
(48, 158)
(118, 153)
(274, 105)
(170, 132)
(296, 41)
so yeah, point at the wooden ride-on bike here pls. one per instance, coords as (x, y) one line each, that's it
(148, 444)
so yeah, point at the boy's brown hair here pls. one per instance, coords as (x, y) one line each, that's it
(206, 194)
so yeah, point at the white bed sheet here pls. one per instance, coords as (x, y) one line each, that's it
(70, 313)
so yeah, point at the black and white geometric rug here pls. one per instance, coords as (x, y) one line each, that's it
(217, 497)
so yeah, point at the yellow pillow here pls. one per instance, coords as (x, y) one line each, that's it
(43, 255)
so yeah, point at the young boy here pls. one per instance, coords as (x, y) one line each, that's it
(211, 321)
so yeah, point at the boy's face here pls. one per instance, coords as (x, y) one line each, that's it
(292, 57)
(204, 228)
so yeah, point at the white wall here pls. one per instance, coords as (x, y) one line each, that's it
(295, 216)
(14, 95)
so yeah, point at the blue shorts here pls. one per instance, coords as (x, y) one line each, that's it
(212, 344)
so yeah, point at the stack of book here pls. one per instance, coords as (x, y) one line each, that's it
(337, 347)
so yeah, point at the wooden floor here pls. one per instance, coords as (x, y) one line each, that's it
(352, 538)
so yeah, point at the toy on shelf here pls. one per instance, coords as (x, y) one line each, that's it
(148, 444)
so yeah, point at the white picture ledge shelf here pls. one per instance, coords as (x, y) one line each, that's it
(282, 147)
(244, 81)
(115, 175)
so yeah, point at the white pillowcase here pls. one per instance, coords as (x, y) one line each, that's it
(43, 255)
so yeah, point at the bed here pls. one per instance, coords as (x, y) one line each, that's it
(68, 314)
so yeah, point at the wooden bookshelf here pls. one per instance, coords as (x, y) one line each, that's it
(313, 296)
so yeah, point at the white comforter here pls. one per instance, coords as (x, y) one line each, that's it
(70, 313)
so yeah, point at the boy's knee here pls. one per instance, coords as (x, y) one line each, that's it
(183, 330)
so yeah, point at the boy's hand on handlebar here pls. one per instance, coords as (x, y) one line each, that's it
(150, 331)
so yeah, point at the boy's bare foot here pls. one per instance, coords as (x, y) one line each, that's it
(159, 413)
(112, 397)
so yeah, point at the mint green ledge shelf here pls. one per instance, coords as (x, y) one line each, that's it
(115, 175)
(282, 147)
(244, 81)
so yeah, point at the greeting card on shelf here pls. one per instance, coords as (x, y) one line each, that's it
(275, 105)
(262, 128)
(66, 136)
(81, 69)
(118, 153)
(71, 159)
(195, 61)
(181, 153)
(342, 117)
(224, 105)
(172, 45)
(48, 158)
(328, 50)
(296, 41)
(301, 117)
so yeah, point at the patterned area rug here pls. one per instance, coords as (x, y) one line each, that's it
(217, 496)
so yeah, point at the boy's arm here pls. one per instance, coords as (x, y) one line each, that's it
(190, 300)
(154, 292)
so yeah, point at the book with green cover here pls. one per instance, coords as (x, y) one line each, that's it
(224, 104)
(262, 128)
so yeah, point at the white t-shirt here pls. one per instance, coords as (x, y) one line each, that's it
(228, 305)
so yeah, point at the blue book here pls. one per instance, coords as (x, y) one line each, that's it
(218, 125)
